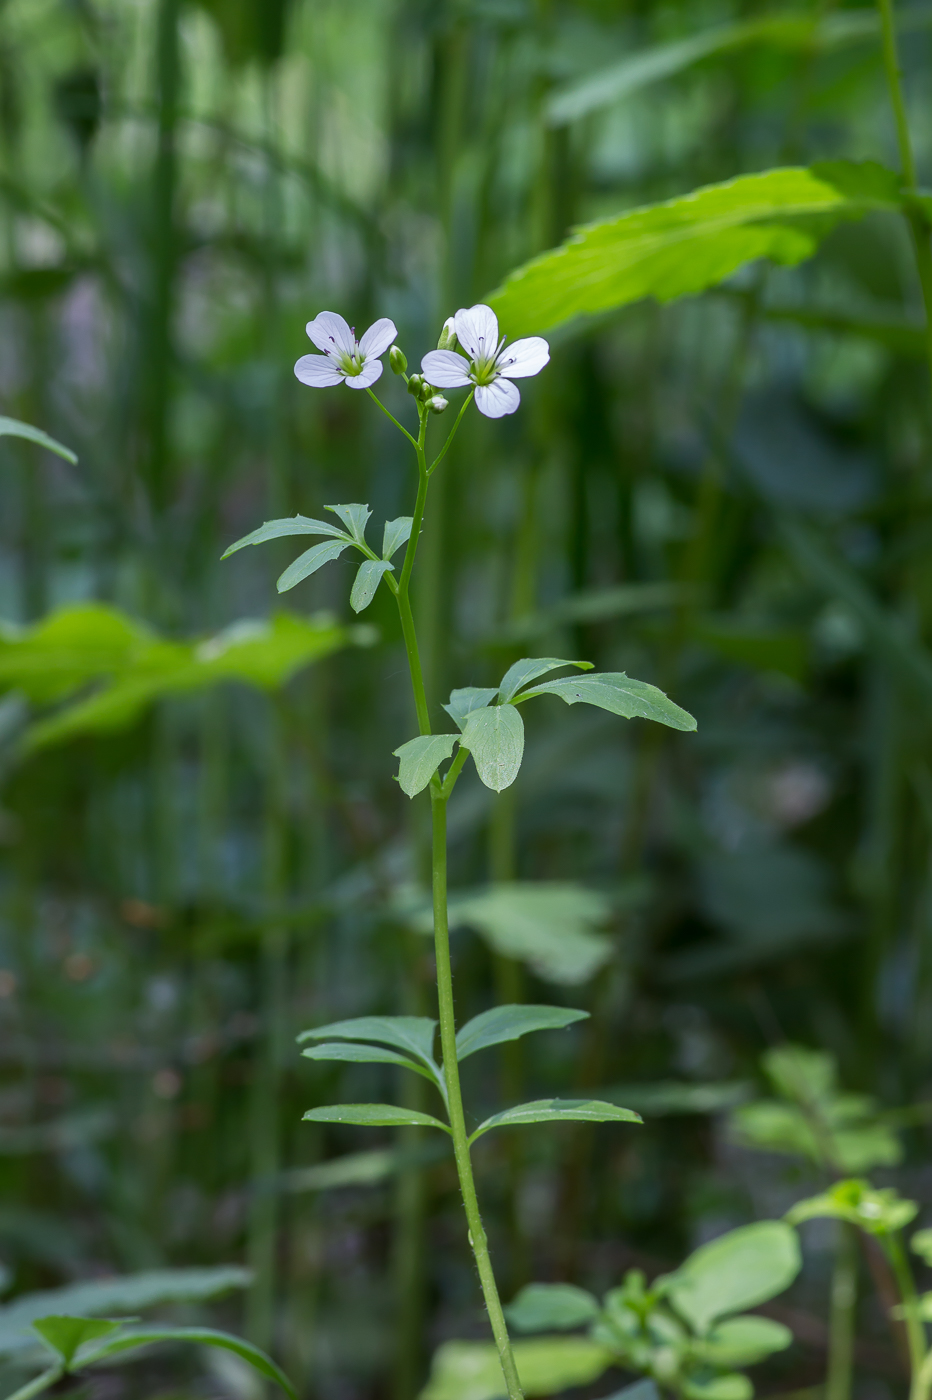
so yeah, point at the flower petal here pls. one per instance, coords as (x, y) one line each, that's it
(378, 337)
(366, 376)
(498, 398)
(445, 369)
(477, 331)
(330, 333)
(317, 370)
(524, 358)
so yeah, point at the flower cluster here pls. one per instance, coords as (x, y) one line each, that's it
(487, 363)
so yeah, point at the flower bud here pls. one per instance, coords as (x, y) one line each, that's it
(416, 384)
(447, 339)
(397, 359)
(437, 403)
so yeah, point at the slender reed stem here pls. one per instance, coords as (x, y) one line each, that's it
(915, 1331)
(842, 1317)
(37, 1384)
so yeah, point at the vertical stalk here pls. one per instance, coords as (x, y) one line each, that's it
(915, 1331)
(842, 1315)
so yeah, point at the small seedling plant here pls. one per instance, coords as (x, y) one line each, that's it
(488, 727)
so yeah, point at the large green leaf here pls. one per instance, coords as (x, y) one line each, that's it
(420, 758)
(373, 1115)
(12, 427)
(495, 738)
(196, 1336)
(690, 243)
(618, 693)
(734, 1272)
(126, 1293)
(546, 1307)
(550, 925)
(280, 529)
(546, 1365)
(310, 561)
(529, 668)
(412, 1034)
(503, 1023)
(557, 1111)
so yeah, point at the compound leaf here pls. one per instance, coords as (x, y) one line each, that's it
(617, 693)
(355, 518)
(546, 1307)
(420, 758)
(529, 668)
(367, 580)
(495, 738)
(373, 1115)
(503, 1023)
(469, 698)
(310, 561)
(278, 529)
(395, 534)
(558, 1111)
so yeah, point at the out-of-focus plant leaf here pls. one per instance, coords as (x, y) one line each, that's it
(529, 668)
(66, 1334)
(597, 605)
(545, 1307)
(879, 1211)
(12, 427)
(617, 693)
(473, 1371)
(557, 1111)
(550, 925)
(495, 738)
(359, 1168)
(743, 1341)
(692, 242)
(503, 1023)
(198, 1336)
(736, 1271)
(762, 649)
(672, 1096)
(420, 758)
(373, 1115)
(921, 1244)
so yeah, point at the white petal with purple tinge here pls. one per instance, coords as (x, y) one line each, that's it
(477, 331)
(317, 370)
(497, 399)
(378, 337)
(524, 358)
(330, 333)
(366, 376)
(445, 369)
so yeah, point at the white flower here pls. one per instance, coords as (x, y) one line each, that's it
(355, 362)
(491, 365)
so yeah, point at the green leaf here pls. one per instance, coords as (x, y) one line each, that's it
(503, 1023)
(743, 1341)
(367, 580)
(469, 698)
(196, 1336)
(549, 924)
(618, 693)
(12, 427)
(395, 534)
(412, 1034)
(65, 1334)
(355, 518)
(545, 1307)
(347, 1052)
(420, 758)
(736, 1271)
(690, 243)
(729, 1387)
(878, 1211)
(495, 738)
(278, 529)
(373, 1115)
(529, 668)
(127, 1293)
(921, 1244)
(309, 562)
(546, 1365)
(558, 1111)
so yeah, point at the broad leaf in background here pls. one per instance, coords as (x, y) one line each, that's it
(196, 1336)
(12, 427)
(743, 1341)
(368, 578)
(880, 1211)
(736, 1271)
(373, 1115)
(557, 1111)
(503, 1023)
(66, 1334)
(550, 925)
(472, 1370)
(420, 758)
(546, 1307)
(127, 1293)
(690, 243)
(495, 738)
(617, 693)
(529, 668)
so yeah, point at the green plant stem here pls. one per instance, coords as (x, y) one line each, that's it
(915, 1332)
(37, 1384)
(477, 1235)
(842, 1316)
